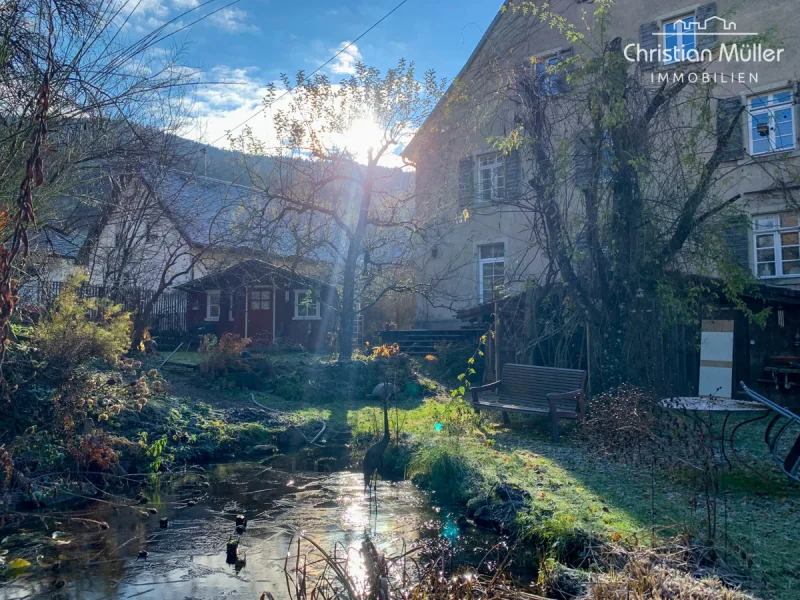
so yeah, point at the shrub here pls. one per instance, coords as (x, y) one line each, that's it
(96, 452)
(79, 329)
(630, 425)
(450, 360)
(289, 387)
(217, 357)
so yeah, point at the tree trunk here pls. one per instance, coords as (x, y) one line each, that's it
(140, 322)
(350, 265)
(348, 306)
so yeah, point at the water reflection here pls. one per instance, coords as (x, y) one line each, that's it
(187, 560)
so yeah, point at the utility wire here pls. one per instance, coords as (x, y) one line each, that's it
(314, 72)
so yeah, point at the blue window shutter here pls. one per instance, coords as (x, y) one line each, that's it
(562, 85)
(703, 13)
(466, 181)
(736, 239)
(648, 41)
(513, 176)
(728, 109)
(582, 162)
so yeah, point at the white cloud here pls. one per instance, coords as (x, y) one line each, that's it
(145, 8)
(145, 15)
(222, 107)
(345, 62)
(232, 19)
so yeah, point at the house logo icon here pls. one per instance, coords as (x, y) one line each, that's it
(711, 26)
(711, 23)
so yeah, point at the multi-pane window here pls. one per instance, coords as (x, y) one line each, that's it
(305, 306)
(777, 245)
(212, 305)
(491, 177)
(680, 37)
(260, 299)
(548, 76)
(772, 126)
(492, 271)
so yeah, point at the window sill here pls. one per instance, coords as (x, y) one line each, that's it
(754, 159)
(486, 203)
(777, 277)
(212, 319)
(306, 318)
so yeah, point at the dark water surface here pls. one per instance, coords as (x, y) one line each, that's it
(188, 560)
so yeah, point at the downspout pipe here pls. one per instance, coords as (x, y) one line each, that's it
(274, 309)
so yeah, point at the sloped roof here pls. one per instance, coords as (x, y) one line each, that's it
(206, 210)
(252, 271)
(52, 242)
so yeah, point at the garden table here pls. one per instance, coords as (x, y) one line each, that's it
(695, 405)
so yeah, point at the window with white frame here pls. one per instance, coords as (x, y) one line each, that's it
(491, 265)
(260, 299)
(548, 76)
(772, 127)
(212, 305)
(230, 306)
(777, 245)
(305, 305)
(491, 177)
(680, 37)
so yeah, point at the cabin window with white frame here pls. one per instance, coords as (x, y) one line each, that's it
(231, 298)
(212, 305)
(260, 299)
(777, 245)
(491, 265)
(491, 177)
(305, 306)
(680, 39)
(772, 127)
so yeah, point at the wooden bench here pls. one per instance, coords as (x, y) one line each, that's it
(537, 390)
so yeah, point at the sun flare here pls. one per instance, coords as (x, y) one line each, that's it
(363, 135)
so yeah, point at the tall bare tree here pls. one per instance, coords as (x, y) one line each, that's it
(319, 173)
(75, 94)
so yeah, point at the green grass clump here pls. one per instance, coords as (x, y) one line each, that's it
(454, 474)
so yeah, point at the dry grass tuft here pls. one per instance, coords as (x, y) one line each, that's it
(648, 575)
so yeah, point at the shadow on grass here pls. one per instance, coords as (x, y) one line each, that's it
(757, 508)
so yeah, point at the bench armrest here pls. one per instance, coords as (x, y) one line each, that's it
(574, 395)
(565, 395)
(483, 388)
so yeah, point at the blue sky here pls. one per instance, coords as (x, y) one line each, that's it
(253, 41)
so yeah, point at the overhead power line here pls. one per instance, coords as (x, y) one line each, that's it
(315, 71)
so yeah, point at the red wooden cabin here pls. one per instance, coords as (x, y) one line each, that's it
(264, 302)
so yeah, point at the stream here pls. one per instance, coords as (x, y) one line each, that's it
(188, 558)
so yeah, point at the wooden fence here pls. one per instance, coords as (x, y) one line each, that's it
(167, 318)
